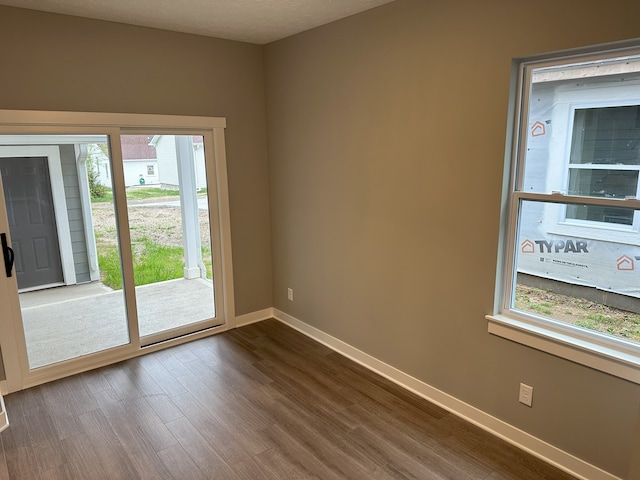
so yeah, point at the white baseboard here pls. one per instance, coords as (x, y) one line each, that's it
(254, 317)
(523, 440)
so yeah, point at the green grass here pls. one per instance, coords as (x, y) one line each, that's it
(156, 263)
(138, 193)
(106, 198)
(587, 323)
(109, 261)
(600, 318)
(208, 263)
(150, 192)
(546, 308)
(151, 263)
(580, 312)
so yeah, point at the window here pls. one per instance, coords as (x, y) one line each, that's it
(151, 170)
(569, 271)
(604, 161)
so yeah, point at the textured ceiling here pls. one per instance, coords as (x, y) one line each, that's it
(253, 21)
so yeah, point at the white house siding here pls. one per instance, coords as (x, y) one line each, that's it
(598, 255)
(166, 155)
(134, 170)
(167, 163)
(74, 212)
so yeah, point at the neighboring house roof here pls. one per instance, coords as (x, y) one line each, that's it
(137, 147)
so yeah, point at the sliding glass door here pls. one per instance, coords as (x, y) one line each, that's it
(109, 234)
(168, 211)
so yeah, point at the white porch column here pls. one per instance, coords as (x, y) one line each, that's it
(189, 206)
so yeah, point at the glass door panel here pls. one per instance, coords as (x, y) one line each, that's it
(63, 232)
(167, 207)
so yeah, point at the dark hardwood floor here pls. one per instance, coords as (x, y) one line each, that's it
(259, 402)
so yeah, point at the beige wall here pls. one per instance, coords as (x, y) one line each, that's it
(56, 62)
(386, 149)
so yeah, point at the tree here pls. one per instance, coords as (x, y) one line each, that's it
(96, 154)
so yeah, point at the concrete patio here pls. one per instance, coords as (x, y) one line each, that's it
(66, 322)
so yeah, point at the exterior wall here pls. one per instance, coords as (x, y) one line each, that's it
(608, 259)
(134, 170)
(74, 211)
(167, 162)
(167, 166)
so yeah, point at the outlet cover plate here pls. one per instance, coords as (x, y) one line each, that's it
(526, 395)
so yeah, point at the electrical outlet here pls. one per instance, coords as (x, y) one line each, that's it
(526, 395)
(290, 294)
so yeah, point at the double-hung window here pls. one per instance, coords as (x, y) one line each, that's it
(569, 267)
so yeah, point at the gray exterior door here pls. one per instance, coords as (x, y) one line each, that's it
(32, 222)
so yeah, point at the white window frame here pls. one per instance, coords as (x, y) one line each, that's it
(593, 230)
(615, 356)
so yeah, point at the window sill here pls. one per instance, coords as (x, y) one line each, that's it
(600, 357)
(603, 233)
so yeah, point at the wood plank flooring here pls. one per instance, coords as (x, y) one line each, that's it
(258, 402)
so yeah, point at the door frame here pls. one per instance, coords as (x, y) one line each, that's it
(12, 342)
(54, 162)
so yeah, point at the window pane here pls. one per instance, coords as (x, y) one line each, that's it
(602, 183)
(607, 136)
(589, 283)
(595, 213)
(579, 115)
(170, 235)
